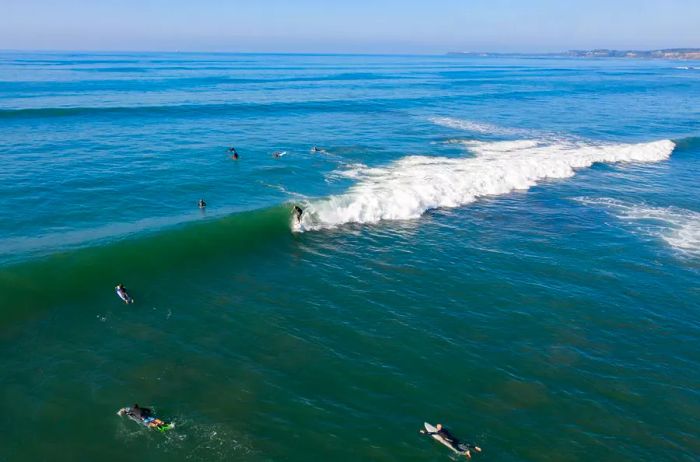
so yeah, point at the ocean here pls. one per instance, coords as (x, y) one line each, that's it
(509, 246)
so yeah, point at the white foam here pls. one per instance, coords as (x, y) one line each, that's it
(408, 187)
(678, 227)
(476, 127)
(351, 171)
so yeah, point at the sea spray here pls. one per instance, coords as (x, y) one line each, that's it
(476, 127)
(679, 228)
(407, 188)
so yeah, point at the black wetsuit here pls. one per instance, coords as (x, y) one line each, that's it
(450, 438)
(298, 212)
(140, 412)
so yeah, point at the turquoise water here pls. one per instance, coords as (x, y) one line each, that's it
(509, 246)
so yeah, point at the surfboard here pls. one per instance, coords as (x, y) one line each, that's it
(124, 296)
(433, 432)
(149, 422)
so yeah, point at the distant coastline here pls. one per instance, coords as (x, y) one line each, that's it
(669, 53)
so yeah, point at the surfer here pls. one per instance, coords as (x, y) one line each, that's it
(234, 153)
(202, 204)
(139, 412)
(452, 440)
(145, 417)
(298, 212)
(317, 149)
(278, 154)
(123, 294)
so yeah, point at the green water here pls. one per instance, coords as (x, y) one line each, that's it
(550, 320)
(305, 350)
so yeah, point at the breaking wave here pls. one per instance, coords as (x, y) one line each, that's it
(412, 185)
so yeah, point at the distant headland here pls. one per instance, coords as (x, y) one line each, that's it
(669, 53)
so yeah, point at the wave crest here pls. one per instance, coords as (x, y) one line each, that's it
(412, 185)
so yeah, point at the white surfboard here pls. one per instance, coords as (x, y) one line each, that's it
(124, 296)
(432, 431)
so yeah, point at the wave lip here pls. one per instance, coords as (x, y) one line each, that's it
(678, 227)
(412, 185)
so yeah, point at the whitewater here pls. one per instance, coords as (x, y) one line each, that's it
(678, 227)
(409, 187)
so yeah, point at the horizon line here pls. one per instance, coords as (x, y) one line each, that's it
(313, 53)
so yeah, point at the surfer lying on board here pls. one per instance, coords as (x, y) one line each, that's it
(234, 153)
(123, 294)
(145, 417)
(298, 213)
(140, 412)
(450, 438)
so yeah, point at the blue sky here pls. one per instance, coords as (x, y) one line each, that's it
(357, 26)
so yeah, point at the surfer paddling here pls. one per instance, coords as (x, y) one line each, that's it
(443, 435)
(145, 417)
(233, 152)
